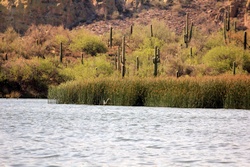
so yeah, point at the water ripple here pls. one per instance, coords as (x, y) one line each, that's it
(35, 133)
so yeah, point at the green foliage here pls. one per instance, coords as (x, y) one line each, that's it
(94, 67)
(88, 43)
(214, 40)
(210, 56)
(139, 34)
(8, 40)
(151, 43)
(39, 41)
(221, 58)
(61, 39)
(215, 92)
(246, 62)
(238, 94)
(39, 70)
(162, 32)
(145, 56)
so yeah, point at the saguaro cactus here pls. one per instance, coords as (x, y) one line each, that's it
(227, 21)
(151, 30)
(156, 60)
(131, 29)
(61, 52)
(137, 63)
(115, 61)
(118, 61)
(226, 25)
(234, 68)
(188, 32)
(123, 57)
(191, 52)
(245, 40)
(82, 59)
(111, 37)
(235, 26)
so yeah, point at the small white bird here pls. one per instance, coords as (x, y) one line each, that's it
(105, 102)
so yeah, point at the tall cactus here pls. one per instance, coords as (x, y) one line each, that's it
(111, 37)
(61, 52)
(123, 59)
(191, 52)
(234, 68)
(82, 59)
(235, 26)
(226, 26)
(225, 33)
(156, 60)
(188, 32)
(137, 63)
(118, 59)
(115, 61)
(151, 31)
(245, 40)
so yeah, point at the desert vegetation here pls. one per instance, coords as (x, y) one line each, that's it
(46, 56)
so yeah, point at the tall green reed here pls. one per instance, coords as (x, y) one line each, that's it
(204, 92)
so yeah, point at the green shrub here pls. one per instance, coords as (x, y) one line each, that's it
(246, 62)
(8, 41)
(221, 58)
(139, 34)
(93, 67)
(88, 43)
(214, 40)
(40, 70)
(2, 76)
(162, 32)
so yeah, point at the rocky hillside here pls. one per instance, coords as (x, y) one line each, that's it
(206, 15)
(98, 15)
(22, 13)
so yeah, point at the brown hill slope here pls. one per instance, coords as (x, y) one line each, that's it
(206, 14)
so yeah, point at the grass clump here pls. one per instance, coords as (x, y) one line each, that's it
(209, 92)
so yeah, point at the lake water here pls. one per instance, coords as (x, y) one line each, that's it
(34, 133)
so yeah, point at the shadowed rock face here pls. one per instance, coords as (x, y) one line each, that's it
(22, 13)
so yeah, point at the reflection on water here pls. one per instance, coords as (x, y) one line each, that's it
(35, 133)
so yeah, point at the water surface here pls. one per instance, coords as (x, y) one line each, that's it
(34, 133)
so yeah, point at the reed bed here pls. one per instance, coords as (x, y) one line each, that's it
(203, 92)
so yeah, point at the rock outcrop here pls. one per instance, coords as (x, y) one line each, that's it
(247, 14)
(241, 10)
(20, 14)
